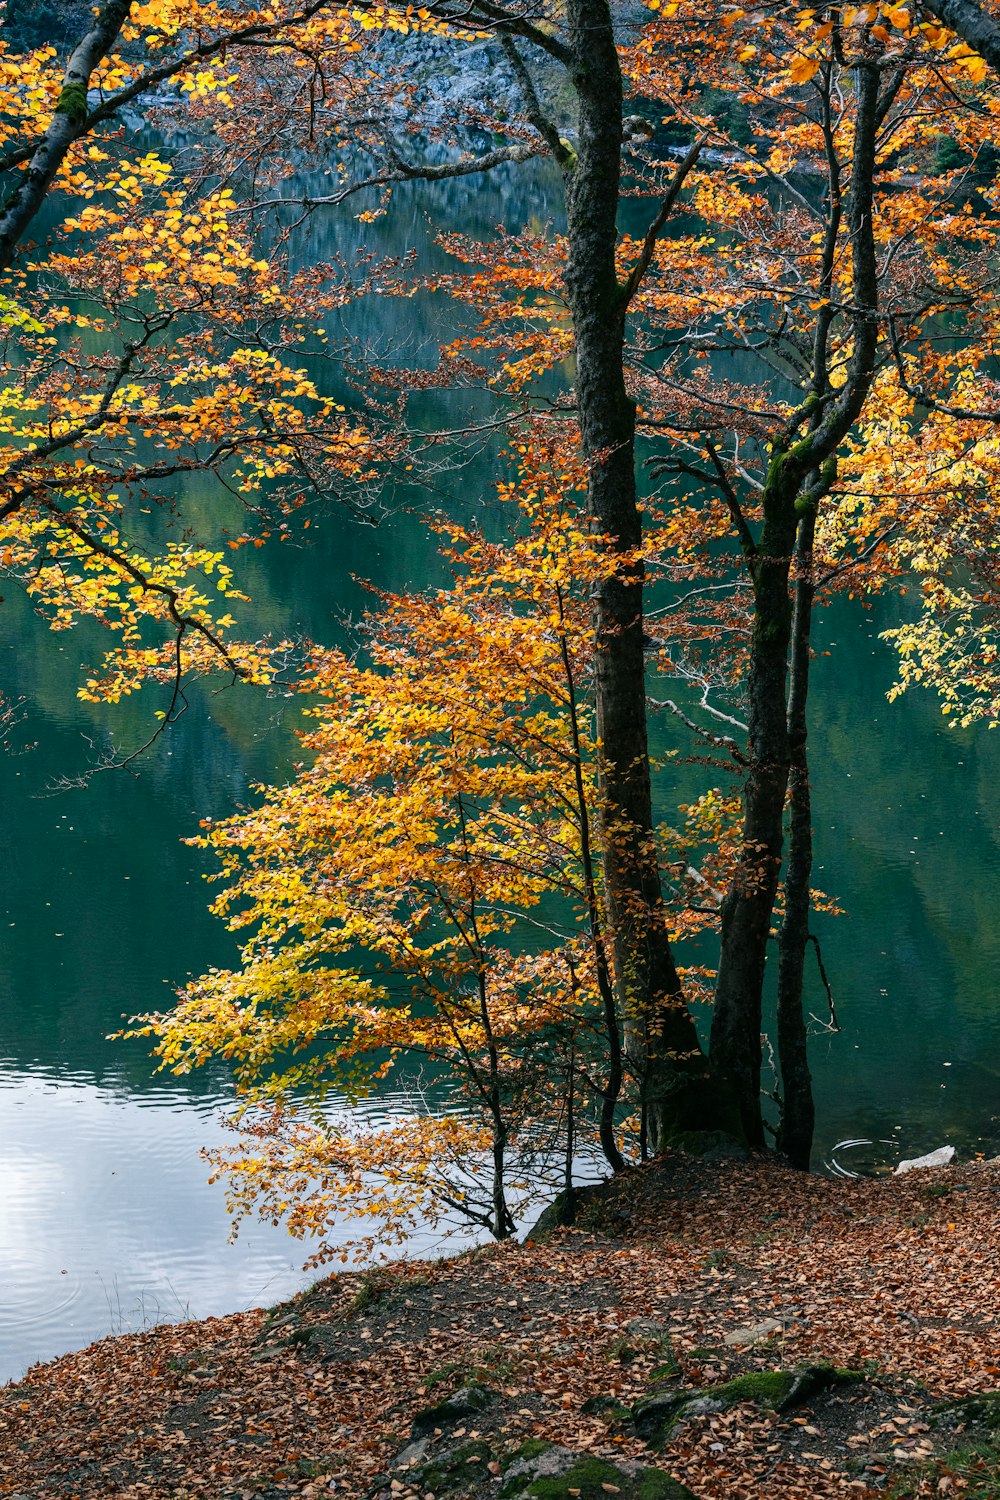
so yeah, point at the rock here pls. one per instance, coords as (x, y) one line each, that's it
(646, 1328)
(981, 1410)
(558, 1213)
(412, 1454)
(591, 1207)
(608, 1407)
(942, 1157)
(742, 1338)
(464, 1403)
(459, 1467)
(637, 128)
(549, 1472)
(657, 1416)
(711, 1145)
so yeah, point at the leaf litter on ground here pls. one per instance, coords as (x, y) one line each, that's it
(680, 1275)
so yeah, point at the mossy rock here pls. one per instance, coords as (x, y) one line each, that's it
(560, 1212)
(454, 1469)
(981, 1410)
(608, 1407)
(530, 1448)
(657, 1416)
(467, 1402)
(560, 1474)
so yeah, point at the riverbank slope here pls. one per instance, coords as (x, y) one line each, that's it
(591, 1363)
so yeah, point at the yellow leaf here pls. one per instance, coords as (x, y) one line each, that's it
(803, 68)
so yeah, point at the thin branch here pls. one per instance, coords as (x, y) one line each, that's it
(834, 1024)
(534, 113)
(720, 741)
(72, 120)
(641, 266)
(856, 562)
(404, 171)
(739, 520)
(165, 590)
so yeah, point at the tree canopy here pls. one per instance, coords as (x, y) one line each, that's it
(750, 367)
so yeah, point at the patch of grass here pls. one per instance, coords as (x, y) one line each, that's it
(719, 1260)
(493, 1365)
(623, 1350)
(315, 1468)
(975, 1466)
(492, 1362)
(669, 1366)
(374, 1285)
(442, 1373)
(184, 1363)
(474, 1254)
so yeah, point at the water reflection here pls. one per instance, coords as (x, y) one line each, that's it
(862, 1158)
(109, 1224)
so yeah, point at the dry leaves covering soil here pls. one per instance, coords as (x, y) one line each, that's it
(683, 1274)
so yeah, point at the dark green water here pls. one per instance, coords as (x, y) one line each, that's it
(106, 1221)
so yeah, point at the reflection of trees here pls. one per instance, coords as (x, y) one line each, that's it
(914, 960)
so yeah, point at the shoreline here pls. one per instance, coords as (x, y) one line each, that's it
(667, 1336)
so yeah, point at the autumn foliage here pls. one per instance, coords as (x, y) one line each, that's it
(778, 386)
(423, 900)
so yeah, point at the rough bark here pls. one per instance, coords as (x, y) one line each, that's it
(976, 27)
(661, 1039)
(611, 1092)
(749, 901)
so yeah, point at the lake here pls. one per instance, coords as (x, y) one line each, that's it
(106, 1219)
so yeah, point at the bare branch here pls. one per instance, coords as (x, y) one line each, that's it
(533, 110)
(641, 266)
(720, 741)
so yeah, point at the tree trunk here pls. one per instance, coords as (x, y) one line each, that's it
(661, 1039)
(749, 901)
(68, 119)
(798, 1113)
(828, 416)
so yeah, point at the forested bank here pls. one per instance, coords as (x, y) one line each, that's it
(746, 371)
(715, 1328)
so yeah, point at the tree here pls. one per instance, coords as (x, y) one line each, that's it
(427, 892)
(849, 93)
(644, 967)
(796, 286)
